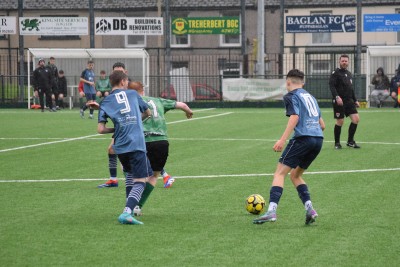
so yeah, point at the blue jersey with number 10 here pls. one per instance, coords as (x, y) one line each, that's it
(125, 108)
(300, 102)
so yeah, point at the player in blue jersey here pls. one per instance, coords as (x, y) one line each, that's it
(87, 77)
(125, 108)
(112, 157)
(306, 122)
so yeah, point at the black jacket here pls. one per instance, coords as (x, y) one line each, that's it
(341, 84)
(42, 78)
(62, 85)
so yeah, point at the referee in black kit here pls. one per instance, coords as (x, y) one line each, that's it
(344, 102)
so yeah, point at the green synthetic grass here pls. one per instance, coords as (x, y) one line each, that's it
(219, 158)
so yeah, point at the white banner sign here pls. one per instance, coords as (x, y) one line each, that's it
(240, 89)
(129, 26)
(53, 26)
(8, 25)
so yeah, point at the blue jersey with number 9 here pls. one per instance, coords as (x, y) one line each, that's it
(125, 108)
(300, 102)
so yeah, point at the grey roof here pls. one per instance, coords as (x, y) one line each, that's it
(179, 4)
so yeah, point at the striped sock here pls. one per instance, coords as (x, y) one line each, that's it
(135, 194)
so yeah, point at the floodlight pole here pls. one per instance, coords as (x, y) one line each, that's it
(21, 56)
(359, 44)
(91, 23)
(261, 39)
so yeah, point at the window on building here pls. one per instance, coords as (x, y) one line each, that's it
(230, 39)
(135, 40)
(179, 40)
(231, 70)
(179, 64)
(320, 66)
(322, 37)
(59, 37)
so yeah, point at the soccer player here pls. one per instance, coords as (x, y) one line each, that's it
(306, 122)
(125, 108)
(344, 102)
(155, 132)
(87, 77)
(112, 158)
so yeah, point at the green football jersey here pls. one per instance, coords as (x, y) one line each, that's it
(155, 128)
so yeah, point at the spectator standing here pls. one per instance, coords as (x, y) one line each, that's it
(54, 80)
(62, 88)
(382, 85)
(42, 80)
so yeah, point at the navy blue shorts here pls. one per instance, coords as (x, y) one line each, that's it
(301, 152)
(90, 96)
(136, 163)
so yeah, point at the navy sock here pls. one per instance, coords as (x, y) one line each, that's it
(84, 107)
(128, 183)
(91, 111)
(112, 164)
(303, 193)
(275, 194)
(135, 194)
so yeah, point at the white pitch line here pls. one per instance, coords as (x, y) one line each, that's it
(201, 118)
(49, 143)
(203, 176)
(89, 136)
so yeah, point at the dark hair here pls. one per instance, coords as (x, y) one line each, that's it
(90, 62)
(295, 73)
(344, 55)
(52, 58)
(102, 72)
(116, 77)
(61, 71)
(118, 64)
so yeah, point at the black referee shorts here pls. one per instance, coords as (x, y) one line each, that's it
(348, 108)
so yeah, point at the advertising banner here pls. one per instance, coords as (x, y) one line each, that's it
(320, 23)
(53, 26)
(239, 89)
(8, 25)
(381, 22)
(206, 25)
(129, 26)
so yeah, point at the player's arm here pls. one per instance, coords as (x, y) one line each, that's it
(103, 129)
(182, 106)
(322, 123)
(293, 120)
(146, 114)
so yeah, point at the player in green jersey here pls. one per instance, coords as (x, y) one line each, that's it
(156, 138)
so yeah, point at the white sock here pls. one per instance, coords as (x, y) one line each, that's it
(113, 178)
(272, 206)
(308, 205)
(128, 210)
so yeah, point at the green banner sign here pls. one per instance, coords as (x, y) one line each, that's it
(206, 25)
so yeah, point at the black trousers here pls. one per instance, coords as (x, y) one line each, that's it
(46, 92)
